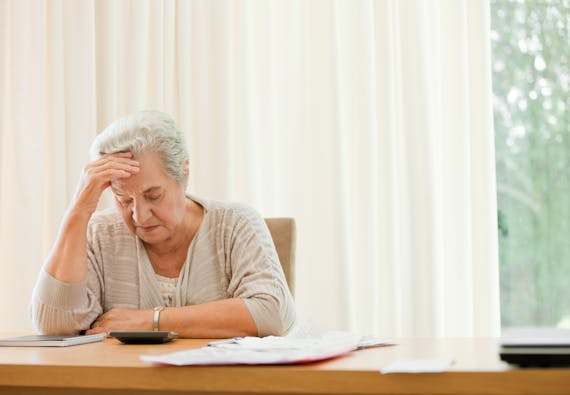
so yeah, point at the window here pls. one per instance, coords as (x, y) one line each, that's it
(531, 86)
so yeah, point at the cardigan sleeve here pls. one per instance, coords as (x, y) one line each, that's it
(61, 308)
(257, 276)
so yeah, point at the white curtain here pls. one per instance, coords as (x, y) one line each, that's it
(370, 122)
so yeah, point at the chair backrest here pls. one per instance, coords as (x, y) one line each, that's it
(283, 233)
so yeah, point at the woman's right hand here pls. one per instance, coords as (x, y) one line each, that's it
(97, 176)
(67, 261)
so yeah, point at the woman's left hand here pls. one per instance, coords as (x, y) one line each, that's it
(120, 319)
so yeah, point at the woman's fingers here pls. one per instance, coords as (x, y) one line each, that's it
(114, 162)
(97, 176)
(93, 331)
(107, 173)
(113, 166)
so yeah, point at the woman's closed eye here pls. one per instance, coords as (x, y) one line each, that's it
(154, 197)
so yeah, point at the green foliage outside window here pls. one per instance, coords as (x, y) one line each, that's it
(531, 86)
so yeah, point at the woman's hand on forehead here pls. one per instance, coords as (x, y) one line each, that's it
(98, 175)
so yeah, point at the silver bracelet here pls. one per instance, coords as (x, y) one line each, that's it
(157, 311)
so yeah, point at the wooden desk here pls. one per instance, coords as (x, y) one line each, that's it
(112, 368)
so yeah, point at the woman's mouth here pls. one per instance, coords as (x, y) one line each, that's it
(146, 229)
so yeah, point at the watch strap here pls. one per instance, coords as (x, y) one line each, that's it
(156, 318)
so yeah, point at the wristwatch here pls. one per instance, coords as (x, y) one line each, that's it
(157, 311)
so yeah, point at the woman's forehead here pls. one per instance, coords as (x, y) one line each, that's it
(124, 187)
(144, 181)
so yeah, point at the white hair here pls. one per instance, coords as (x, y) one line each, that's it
(145, 131)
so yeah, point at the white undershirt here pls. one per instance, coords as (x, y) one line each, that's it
(167, 287)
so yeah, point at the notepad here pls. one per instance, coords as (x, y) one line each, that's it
(50, 341)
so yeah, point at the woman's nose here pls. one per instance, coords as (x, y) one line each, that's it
(141, 213)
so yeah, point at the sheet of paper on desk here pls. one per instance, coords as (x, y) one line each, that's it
(367, 342)
(438, 365)
(270, 350)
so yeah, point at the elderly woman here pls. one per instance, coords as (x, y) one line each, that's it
(160, 259)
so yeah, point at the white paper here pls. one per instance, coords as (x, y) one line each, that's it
(305, 328)
(418, 366)
(265, 350)
(367, 342)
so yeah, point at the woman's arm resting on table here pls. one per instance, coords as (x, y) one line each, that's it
(218, 319)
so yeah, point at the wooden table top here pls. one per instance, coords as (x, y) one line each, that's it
(112, 366)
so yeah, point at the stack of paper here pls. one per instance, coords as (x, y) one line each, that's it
(264, 350)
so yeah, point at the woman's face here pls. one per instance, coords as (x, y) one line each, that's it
(152, 204)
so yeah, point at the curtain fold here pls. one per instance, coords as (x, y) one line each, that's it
(370, 122)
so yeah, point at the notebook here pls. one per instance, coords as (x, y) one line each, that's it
(540, 347)
(50, 341)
